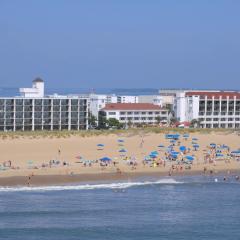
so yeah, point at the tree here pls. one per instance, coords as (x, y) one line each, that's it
(92, 121)
(195, 123)
(114, 123)
(102, 122)
(173, 120)
(158, 119)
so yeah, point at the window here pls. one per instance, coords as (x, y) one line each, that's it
(112, 113)
(122, 113)
(150, 113)
(129, 113)
(122, 118)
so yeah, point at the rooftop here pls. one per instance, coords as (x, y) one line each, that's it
(230, 94)
(131, 106)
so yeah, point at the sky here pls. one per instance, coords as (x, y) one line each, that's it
(120, 44)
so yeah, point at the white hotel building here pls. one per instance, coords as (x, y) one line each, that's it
(135, 113)
(33, 111)
(213, 109)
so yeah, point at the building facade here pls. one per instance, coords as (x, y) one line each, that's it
(33, 111)
(136, 113)
(213, 109)
(48, 113)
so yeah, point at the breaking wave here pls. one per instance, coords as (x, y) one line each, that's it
(121, 185)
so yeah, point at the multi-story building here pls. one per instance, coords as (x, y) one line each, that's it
(135, 113)
(34, 111)
(127, 99)
(99, 101)
(154, 99)
(213, 109)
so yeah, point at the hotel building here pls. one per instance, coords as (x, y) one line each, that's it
(213, 109)
(135, 113)
(33, 111)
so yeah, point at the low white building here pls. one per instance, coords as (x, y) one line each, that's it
(135, 113)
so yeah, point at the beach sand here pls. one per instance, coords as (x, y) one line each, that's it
(26, 154)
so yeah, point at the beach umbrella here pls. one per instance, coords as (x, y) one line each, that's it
(100, 145)
(120, 140)
(182, 148)
(154, 153)
(190, 158)
(172, 141)
(194, 139)
(186, 135)
(161, 146)
(219, 155)
(78, 157)
(213, 145)
(195, 146)
(122, 150)
(105, 159)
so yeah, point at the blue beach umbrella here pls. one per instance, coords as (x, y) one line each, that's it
(105, 159)
(219, 155)
(190, 158)
(185, 135)
(195, 146)
(154, 153)
(213, 145)
(122, 150)
(161, 146)
(100, 145)
(194, 139)
(152, 156)
(182, 148)
(120, 140)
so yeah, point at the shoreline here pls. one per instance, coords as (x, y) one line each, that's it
(64, 180)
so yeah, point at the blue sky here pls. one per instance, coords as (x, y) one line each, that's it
(127, 43)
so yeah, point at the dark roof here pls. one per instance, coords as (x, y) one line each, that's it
(131, 106)
(224, 95)
(38, 80)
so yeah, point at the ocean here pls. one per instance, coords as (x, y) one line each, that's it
(148, 208)
(9, 92)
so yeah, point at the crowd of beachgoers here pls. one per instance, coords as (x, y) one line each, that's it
(169, 153)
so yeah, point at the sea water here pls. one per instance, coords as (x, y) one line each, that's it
(146, 208)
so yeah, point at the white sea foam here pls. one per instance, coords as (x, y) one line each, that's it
(121, 185)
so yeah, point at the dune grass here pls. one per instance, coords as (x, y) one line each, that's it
(90, 133)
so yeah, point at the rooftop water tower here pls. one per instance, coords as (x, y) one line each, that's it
(37, 89)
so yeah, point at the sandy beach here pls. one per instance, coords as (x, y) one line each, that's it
(56, 160)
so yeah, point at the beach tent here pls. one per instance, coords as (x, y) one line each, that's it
(105, 159)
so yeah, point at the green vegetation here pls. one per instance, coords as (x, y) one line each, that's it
(90, 133)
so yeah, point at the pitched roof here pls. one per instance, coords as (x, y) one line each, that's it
(132, 106)
(224, 95)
